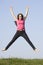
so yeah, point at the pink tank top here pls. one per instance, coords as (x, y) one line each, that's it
(20, 25)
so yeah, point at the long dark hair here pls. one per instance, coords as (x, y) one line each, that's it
(21, 15)
(18, 18)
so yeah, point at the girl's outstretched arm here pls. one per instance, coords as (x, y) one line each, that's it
(12, 13)
(26, 14)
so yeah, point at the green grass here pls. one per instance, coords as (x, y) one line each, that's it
(16, 61)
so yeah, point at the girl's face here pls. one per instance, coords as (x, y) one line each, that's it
(20, 17)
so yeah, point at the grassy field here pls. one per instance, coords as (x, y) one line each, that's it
(15, 61)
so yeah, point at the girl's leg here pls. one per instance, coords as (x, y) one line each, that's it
(13, 39)
(24, 35)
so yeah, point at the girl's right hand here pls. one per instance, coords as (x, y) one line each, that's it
(10, 8)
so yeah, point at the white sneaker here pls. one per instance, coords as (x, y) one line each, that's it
(3, 50)
(37, 50)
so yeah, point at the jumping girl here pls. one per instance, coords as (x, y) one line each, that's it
(20, 20)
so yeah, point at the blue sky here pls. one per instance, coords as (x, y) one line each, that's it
(33, 25)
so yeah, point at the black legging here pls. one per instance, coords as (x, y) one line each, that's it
(18, 34)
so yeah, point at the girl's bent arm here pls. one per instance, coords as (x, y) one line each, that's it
(26, 14)
(12, 13)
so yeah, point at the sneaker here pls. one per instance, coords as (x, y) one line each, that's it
(36, 50)
(3, 50)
